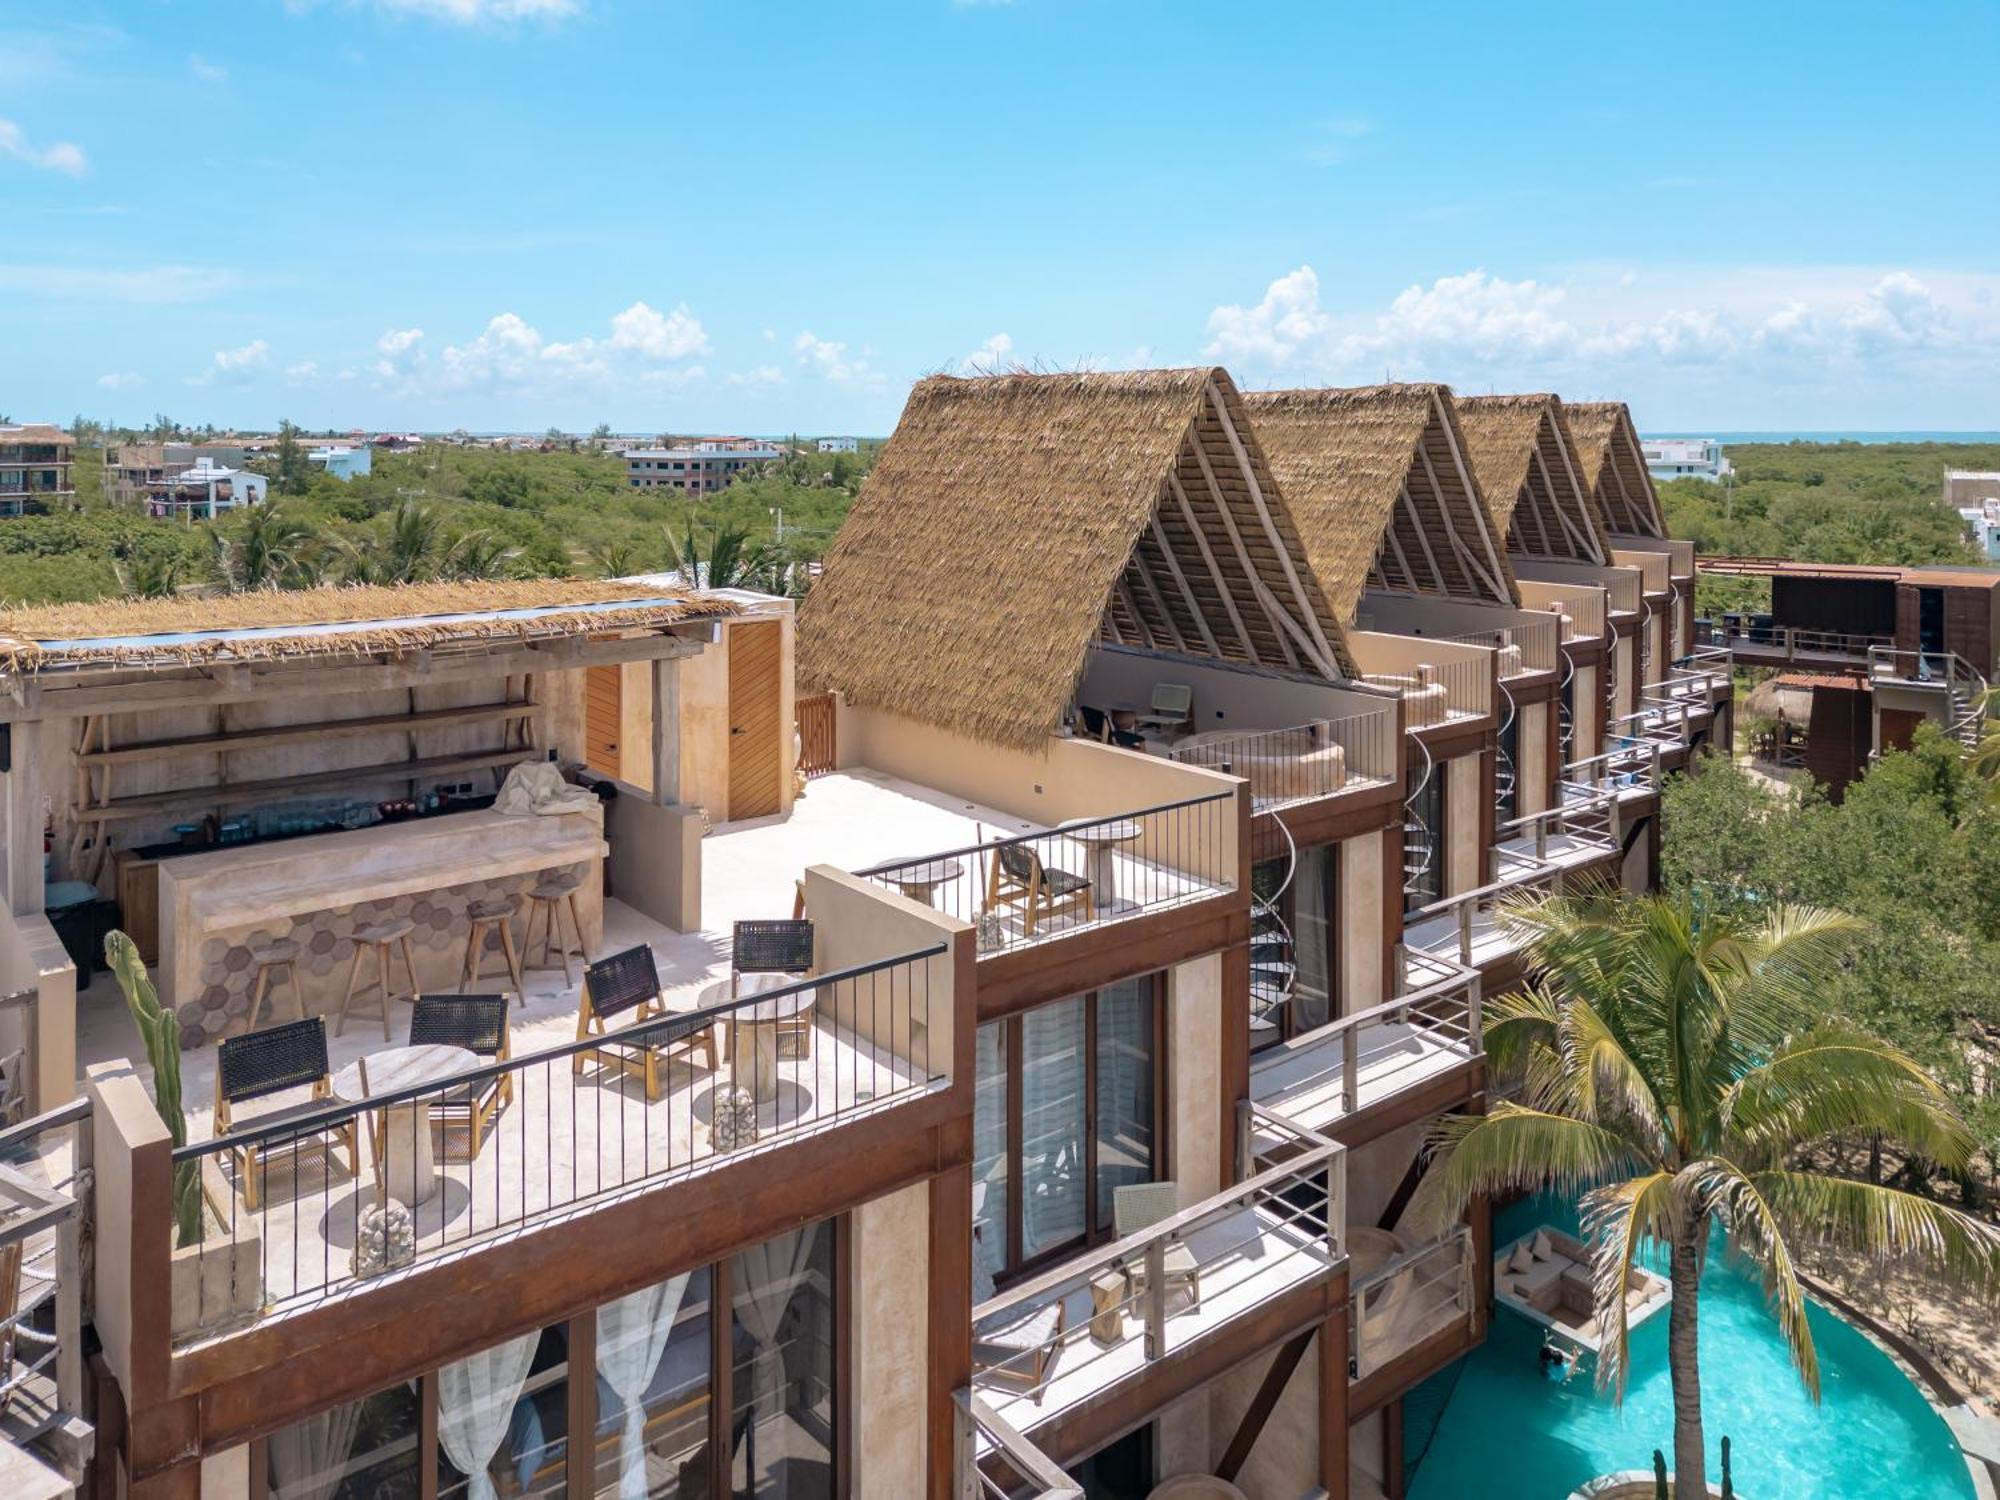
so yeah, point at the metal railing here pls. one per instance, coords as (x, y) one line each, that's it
(1525, 646)
(1433, 692)
(1668, 721)
(1035, 886)
(45, 1207)
(989, 1452)
(1474, 913)
(568, 1128)
(1964, 685)
(1308, 761)
(1791, 641)
(19, 1070)
(1410, 1298)
(1435, 999)
(1289, 1207)
(1623, 590)
(1625, 769)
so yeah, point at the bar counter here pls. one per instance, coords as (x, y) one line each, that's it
(218, 904)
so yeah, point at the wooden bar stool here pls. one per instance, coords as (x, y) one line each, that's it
(275, 960)
(488, 912)
(380, 937)
(548, 898)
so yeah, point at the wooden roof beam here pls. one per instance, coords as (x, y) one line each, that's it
(1272, 610)
(1222, 589)
(1194, 608)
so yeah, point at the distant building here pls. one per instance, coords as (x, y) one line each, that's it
(343, 461)
(698, 466)
(1685, 458)
(34, 467)
(130, 468)
(1971, 488)
(204, 491)
(839, 444)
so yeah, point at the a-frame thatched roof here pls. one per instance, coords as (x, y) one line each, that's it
(1378, 482)
(1014, 520)
(1613, 467)
(1520, 453)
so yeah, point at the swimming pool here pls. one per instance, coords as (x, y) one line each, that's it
(1491, 1425)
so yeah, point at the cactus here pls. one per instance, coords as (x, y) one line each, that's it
(160, 1030)
(1728, 1484)
(1659, 1475)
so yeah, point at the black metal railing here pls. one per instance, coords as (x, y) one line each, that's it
(1035, 886)
(1307, 761)
(501, 1147)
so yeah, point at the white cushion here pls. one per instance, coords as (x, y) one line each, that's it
(1542, 1249)
(1522, 1259)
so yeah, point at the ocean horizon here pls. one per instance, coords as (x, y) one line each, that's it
(1726, 438)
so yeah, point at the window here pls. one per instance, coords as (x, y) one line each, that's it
(353, 1452)
(1067, 1111)
(503, 1414)
(653, 1386)
(782, 1327)
(1294, 945)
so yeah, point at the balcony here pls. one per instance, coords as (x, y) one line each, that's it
(1412, 1298)
(1307, 762)
(1579, 607)
(1365, 1059)
(1049, 1349)
(1439, 681)
(45, 1179)
(1757, 640)
(572, 1127)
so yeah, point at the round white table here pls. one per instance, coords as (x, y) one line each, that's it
(920, 879)
(763, 1021)
(1102, 840)
(409, 1169)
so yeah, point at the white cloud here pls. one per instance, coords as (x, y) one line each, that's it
(235, 366)
(206, 71)
(120, 380)
(477, 12)
(762, 375)
(149, 284)
(657, 335)
(1275, 331)
(989, 357)
(828, 358)
(399, 341)
(305, 369)
(58, 156)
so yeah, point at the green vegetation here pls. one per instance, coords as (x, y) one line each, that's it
(1679, 1070)
(439, 511)
(1829, 502)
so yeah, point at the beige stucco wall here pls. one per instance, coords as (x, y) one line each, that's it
(1374, 1170)
(123, 1121)
(32, 958)
(1587, 727)
(655, 859)
(910, 1010)
(1194, 1010)
(1362, 892)
(1532, 771)
(226, 1475)
(890, 1348)
(1464, 823)
(1627, 676)
(1284, 1462)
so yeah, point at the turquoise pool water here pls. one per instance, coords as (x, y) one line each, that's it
(1492, 1426)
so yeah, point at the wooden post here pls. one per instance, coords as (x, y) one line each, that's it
(24, 822)
(1333, 1433)
(666, 731)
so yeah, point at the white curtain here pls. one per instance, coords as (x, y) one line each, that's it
(1312, 987)
(989, 1160)
(766, 1278)
(632, 1336)
(309, 1458)
(476, 1397)
(1052, 1124)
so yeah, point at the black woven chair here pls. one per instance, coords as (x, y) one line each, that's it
(1018, 878)
(623, 991)
(261, 1063)
(776, 946)
(478, 1023)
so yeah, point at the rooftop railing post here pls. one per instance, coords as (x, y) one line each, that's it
(1350, 1071)
(1336, 1212)
(1475, 1015)
(1156, 1299)
(1244, 1145)
(1465, 932)
(964, 1449)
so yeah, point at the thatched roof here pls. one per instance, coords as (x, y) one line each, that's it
(1520, 453)
(1613, 467)
(1377, 480)
(272, 623)
(1013, 520)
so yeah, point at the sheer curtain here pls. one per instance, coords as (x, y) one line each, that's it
(309, 1458)
(1052, 1125)
(767, 1275)
(476, 1398)
(1312, 945)
(989, 1159)
(632, 1335)
(1124, 1091)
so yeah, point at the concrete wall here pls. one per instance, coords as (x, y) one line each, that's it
(1284, 1462)
(890, 1349)
(1375, 1169)
(1194, 1088)
(1366, 885)
(1465, 822)
(1587, 719)
(32, 958)
(655, 861)
(912, 1012)
(1534, 770)
(124, 1126)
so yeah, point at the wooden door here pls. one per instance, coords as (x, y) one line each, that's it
(754, 727)
(603, 707)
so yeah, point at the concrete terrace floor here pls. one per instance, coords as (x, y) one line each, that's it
(1301, 1080)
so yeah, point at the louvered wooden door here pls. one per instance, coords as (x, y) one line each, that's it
(754, 726)
(603, 707)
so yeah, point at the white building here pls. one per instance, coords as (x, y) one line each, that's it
(343, 460)
(839, 444)
(205, 491)
(1685, 458)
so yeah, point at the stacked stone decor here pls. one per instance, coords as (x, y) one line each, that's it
(326, 953)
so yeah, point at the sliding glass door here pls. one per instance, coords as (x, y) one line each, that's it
(1067, 1111)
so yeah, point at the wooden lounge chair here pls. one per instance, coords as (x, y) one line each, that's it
(783, 946)
(624, 991)
(1018, 878)
(477, 1023)
(261, 1063)
(1142, 1205)
(1017, 1347)
(1173, 707)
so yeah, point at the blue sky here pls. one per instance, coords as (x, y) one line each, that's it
(769, 217)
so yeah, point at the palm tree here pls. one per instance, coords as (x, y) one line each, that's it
(732, 560)
(261, 550)
(613, 559)
(476, 554)
(1676, 1064)
(155, 575)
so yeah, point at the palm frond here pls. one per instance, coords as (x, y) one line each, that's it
(1517, 1022)
(1838, 1080)
(1619, 1220)
(1755, 1230)
(1519, 1148)
(1883, 1222)
(1607, 1084)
